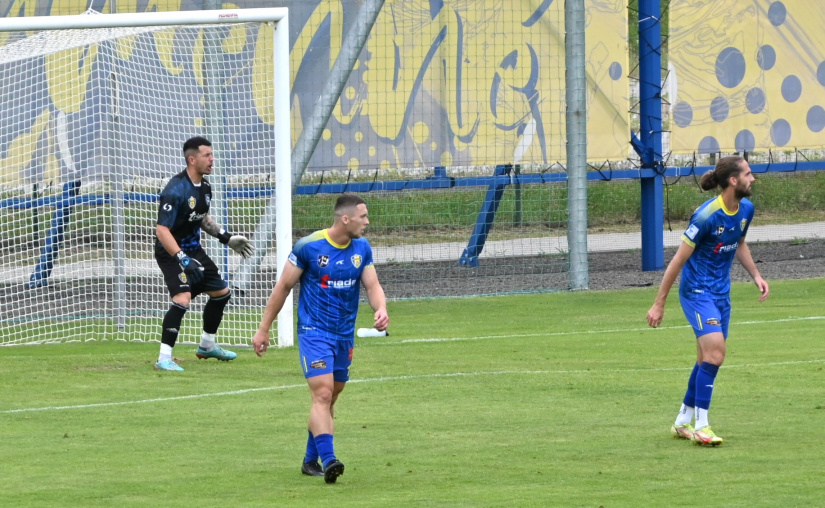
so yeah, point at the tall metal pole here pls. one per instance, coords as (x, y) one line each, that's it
(650, 133)
(576, 122)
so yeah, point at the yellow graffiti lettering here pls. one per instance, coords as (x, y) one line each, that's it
(161, 5)
(67, 74)
(327, 8)
(393, 69)
(165, 39)
(458, 103)
(511, 102)
(23, 8)
(262, 71)
(198, 57)
(125, 5)
(20, 151)
(235, 42)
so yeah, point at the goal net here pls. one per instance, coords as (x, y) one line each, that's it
(96, 108)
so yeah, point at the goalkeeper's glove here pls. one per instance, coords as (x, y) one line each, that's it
(238, 243)
(191, 267)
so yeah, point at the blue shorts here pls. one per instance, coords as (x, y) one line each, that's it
(324, 354)
(706, 314)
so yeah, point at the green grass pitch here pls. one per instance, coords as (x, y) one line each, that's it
(561, 399)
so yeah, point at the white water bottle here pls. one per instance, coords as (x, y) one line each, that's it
(371, 332)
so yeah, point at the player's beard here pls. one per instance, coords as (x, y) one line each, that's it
(743, 191)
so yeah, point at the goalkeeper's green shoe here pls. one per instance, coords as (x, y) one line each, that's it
(216, 352)
(684, 431)
(168, 365)
(706, 436)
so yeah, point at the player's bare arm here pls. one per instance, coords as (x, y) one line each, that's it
(290, 276)
(238, 243)
(657, 311)
(376, 298)
(743, 254)
(166, 238)
(210, 226)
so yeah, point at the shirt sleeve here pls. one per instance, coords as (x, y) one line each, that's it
(298, 256)
(167, 210)
(749, 219)
(368, 260)
(693, 234)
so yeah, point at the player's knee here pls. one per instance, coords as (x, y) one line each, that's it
(322, 395)
(182, 299)
(220, 298)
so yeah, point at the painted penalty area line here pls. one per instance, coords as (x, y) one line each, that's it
(579, 332)
(394, 378)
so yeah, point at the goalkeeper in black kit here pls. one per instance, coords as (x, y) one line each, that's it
(187, 270)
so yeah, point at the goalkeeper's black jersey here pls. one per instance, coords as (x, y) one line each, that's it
(183, 205)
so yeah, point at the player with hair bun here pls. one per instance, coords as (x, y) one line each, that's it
(714, 237)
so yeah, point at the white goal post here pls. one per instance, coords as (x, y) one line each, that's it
(95, 110)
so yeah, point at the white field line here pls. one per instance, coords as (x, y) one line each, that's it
(582, 332)
(445, 375)
(396, 378)
(363, 342)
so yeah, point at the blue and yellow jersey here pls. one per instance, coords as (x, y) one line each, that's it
(714, 232)
(330, 282)
(183, 205)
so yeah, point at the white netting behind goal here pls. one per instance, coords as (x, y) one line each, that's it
(92, 128)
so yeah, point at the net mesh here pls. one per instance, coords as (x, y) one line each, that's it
(94, 126)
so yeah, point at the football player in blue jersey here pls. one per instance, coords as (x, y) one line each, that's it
(331, 265)
(714, 237)
(187, 270)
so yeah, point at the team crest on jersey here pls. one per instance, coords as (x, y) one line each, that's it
(743, 223)
(356, 260)
(323, 260)
(191, 202)
(720, 230)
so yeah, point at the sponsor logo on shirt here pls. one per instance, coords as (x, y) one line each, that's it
(691, 231)
(323, 260)
(318, 364)
(721, 248)
(293, 259)
(327, 282)
(195, 216)
(720, 230)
